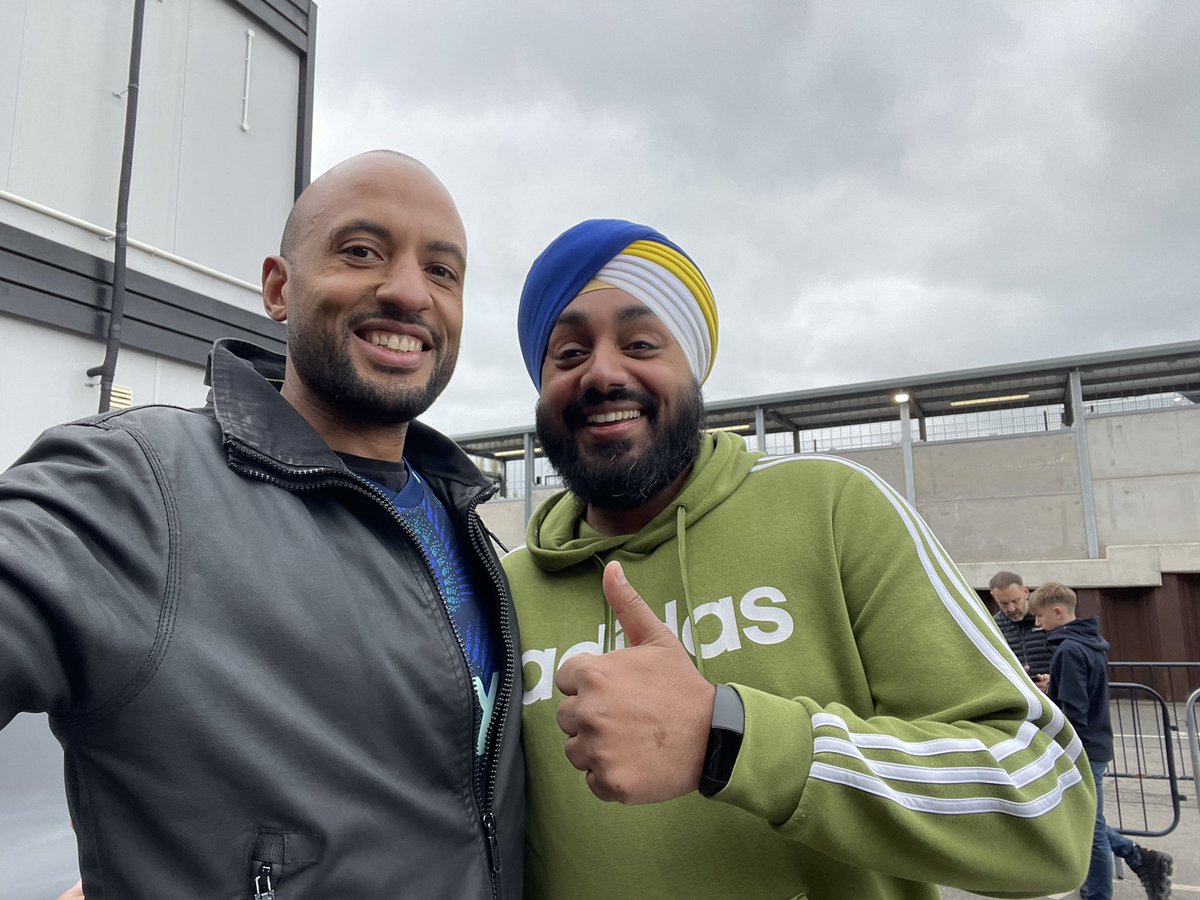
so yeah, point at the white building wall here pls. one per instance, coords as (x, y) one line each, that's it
(42, 381)
(203, 187)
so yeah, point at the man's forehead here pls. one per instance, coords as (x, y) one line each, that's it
(603, 304)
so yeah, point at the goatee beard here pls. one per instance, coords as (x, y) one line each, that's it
(326, 366)
(615, 476)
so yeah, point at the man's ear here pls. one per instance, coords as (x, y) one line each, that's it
(274, 281)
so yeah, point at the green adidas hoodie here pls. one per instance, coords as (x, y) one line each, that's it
(892, 740)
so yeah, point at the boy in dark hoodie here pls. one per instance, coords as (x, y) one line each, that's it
(1079, 685)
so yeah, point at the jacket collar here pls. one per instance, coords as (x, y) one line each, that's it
(258, 425)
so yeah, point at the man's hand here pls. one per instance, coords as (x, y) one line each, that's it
(1043, 682)
(637, 719)
(75, 892)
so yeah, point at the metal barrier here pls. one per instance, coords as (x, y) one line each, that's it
(1194, 742)
(1173, 681)
(1143, 771)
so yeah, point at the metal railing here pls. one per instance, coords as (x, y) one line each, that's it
(1143, 772)
(1194, 742)
(1148, 706)
(1173, 681)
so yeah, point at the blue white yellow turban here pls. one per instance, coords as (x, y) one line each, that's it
(635, 259)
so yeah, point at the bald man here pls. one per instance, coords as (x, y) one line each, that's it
(271, 634)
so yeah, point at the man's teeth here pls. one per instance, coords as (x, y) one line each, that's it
(402, 342)
(603, 418)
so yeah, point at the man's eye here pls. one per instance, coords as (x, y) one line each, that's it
(439, 271)
(358, 251)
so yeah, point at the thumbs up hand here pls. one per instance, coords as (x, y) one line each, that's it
(637, 719)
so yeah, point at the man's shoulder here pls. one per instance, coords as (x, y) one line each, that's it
(810, 471)
(107, 432)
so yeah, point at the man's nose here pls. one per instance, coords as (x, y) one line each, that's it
(606, 368)
(403, 283)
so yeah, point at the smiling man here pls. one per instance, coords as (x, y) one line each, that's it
(271, 634)
(810, 701)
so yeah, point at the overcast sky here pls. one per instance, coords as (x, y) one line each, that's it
(873, 190)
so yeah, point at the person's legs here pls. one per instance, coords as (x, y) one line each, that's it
(1152, 867)
(1123, 846)
(1099, 877)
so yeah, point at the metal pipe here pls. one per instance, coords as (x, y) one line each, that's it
(529, 482)
(246, 85)
(107, 234)
(116, 314)
(1087, 491)
(1194, 740)
(906, 450)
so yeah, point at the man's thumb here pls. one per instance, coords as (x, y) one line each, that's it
(640, 625)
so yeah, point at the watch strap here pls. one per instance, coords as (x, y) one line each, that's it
(724, 740)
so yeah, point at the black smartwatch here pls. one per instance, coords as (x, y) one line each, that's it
(724, 740)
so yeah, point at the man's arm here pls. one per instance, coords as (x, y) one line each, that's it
(1069, 671)
(960, 766)
(83, 535)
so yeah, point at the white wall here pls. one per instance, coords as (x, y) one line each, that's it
(203, 188)
(42, 381)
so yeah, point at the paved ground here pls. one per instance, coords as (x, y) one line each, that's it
(1183, 843)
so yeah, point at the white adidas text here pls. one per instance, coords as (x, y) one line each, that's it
(762, 606)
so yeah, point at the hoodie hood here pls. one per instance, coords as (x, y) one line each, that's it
(1085, 631)
(553, 538)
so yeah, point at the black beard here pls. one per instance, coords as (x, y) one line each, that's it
(612, 477)
(326, 367)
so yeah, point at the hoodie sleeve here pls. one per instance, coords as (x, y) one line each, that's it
(959, 766)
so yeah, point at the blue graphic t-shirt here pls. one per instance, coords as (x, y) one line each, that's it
(437, 537)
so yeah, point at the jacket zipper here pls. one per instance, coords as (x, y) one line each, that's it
(484, 551)
(262, 888)
(487, 819)
(479, 542)
(269, 854)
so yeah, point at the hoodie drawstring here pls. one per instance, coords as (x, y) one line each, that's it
(681, 541)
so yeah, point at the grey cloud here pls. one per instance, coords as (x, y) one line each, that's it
(1023, 178)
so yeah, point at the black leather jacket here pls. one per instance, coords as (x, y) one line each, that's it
(247, 662)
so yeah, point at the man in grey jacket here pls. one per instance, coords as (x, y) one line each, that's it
(271, 634)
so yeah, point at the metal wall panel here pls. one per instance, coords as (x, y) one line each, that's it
(45, 282)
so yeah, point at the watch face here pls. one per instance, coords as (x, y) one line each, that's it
(719, 759)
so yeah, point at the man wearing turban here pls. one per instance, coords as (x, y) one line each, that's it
(809, 701)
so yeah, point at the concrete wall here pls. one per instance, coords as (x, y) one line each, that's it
(1146, 472)
(1017, 501)
(1011, 497)
(506, 518)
